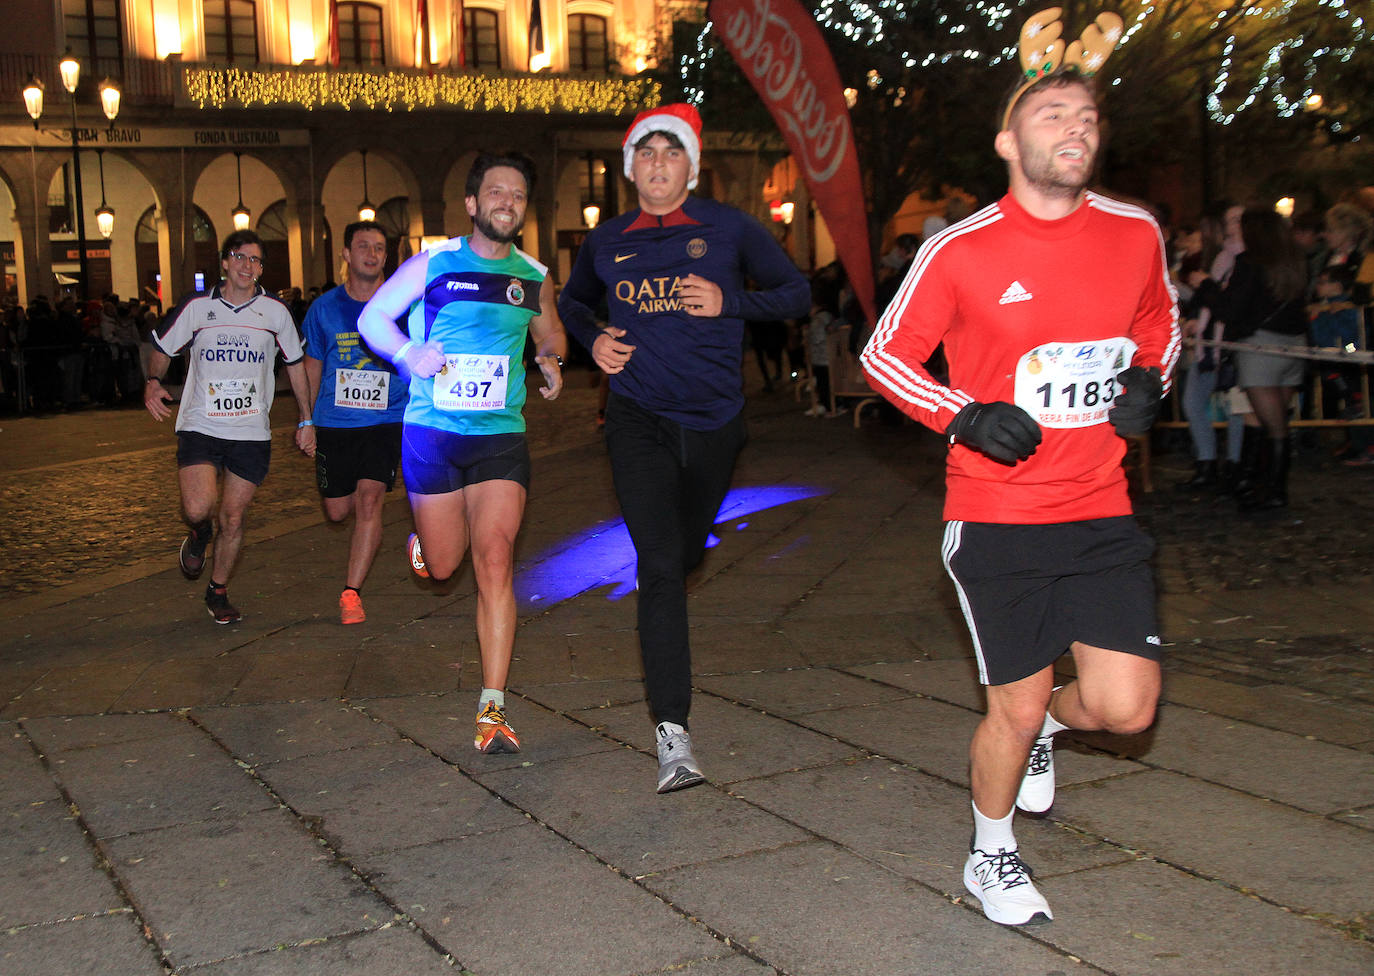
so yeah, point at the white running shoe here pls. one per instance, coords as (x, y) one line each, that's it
(677, 767)
(1036, 794)
(1002, 882)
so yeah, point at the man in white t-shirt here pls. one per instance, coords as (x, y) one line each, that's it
(232, 335)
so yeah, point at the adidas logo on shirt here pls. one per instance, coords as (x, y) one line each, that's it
(1014, 293)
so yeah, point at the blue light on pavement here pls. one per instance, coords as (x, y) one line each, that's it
(603, 555)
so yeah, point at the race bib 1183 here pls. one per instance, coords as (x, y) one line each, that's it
(1071, 384)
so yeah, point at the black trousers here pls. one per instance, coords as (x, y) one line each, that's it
(670, 481)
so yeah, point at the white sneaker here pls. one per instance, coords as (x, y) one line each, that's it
(1002, 882)
(677, 767)
(1036, 794)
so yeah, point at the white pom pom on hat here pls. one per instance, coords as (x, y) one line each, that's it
(681, 119)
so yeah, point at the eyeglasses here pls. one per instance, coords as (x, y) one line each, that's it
(240, 257)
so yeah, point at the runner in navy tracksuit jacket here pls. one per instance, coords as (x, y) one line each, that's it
(675, 274)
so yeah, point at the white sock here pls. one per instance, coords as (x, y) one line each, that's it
(1052, 724)
(992, 835)
(491, 694)
(666, 729)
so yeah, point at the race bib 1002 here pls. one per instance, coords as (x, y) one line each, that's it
(471, 382)
(1071, 384)
(362, 389)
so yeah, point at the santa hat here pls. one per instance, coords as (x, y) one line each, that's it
(681, 120)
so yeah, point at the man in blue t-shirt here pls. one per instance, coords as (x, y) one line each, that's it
(359, 404)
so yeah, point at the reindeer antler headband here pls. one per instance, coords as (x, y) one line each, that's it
(1043, 51)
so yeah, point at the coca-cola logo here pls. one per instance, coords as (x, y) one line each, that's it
(770, 50)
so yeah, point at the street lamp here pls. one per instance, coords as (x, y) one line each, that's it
(104, 214)
(241, 214)
(366, 211)
(70, 70)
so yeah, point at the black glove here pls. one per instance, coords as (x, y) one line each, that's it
(1135, 408)
(1002, 431)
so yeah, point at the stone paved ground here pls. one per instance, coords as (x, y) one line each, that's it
(287, 796)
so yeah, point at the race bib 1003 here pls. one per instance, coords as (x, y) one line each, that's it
(362, 389)
(471, 382)
(232, 398)
(1071, 384)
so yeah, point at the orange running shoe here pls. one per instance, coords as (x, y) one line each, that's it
(351, 607)
(493, 734)
(417, 558)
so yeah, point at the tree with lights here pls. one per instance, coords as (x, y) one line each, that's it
(1197, 84)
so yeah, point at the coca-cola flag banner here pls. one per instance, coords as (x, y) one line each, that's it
(781, 51)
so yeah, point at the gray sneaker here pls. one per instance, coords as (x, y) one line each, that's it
(677, 767)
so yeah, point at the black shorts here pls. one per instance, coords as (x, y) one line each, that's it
(1029, 591)
(346, 455)
(247, 459)
(436, 462)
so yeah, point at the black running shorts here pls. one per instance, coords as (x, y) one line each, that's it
(247, 459)
(346, 455)
(436, 462)
(1029, 591)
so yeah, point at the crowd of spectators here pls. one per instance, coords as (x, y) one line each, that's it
(69, 355)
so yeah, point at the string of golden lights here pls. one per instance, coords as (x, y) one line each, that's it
(222, 87)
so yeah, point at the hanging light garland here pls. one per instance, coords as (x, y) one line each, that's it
(224, 87)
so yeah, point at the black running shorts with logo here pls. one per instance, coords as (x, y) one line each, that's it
(1029, 591)
(346, 455)
(247, 459)
(435, 462)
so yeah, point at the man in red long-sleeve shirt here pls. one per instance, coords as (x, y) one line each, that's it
(1060, 328)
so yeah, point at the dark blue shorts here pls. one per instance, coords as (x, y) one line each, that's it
(1029, 591)
(436, 462)
(247, 459)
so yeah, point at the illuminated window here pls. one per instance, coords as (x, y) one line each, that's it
(231, 31)
(481, 39)
(361, 40)
(588, 42)
(92, 28)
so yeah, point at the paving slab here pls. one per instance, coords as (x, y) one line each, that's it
(607, 804)
(801, 908)
(953, 681)
(731, 742)
(256, 734)
(51, 872)
(391, 951)
(443, 724)
(572, 696)
(1284, 709)
(1299, 860)
(102, 945)
(1144, 917)
(796, 691)
(23, 780)
(149, 783)
(380, 797)
(223, 888)
(81, 689)
(558, 908)
(1309, 775)
(910, 823)
(66, 733)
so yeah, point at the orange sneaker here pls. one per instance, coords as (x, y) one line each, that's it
(493, 734)
(417, 558)
(351, 608)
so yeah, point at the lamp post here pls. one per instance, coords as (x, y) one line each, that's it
(70, 70)
(366, 211)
